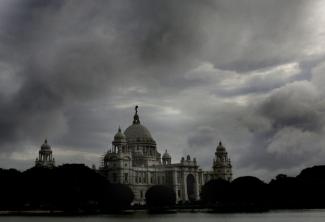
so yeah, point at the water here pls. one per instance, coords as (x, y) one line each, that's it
(276, 216)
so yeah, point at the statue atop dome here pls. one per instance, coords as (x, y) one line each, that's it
(136, 119)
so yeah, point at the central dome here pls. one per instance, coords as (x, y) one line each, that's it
(137, 132)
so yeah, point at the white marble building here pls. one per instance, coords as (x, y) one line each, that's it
(134, 160)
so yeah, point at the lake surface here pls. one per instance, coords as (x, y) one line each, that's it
(275, 216)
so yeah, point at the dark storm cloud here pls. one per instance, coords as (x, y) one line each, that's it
(293, 135)
(294, 106)
(73, 70)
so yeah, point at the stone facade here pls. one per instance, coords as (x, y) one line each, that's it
(135, 161)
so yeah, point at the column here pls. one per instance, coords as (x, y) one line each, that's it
(185, 197)
(197, 186)
(175, 184)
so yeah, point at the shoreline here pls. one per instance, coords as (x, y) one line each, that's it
(49, 213)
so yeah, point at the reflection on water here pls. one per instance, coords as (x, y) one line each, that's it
(275, 216)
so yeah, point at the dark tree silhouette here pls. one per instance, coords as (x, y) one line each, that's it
(160, 196)
(39, 189)
(78, 187)
(116, 197)
(215, 191)
(312, 183)
(284, 192)
(70, 187)
(248, 190)
(10, 190)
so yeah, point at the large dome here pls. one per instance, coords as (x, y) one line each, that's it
(137, 132)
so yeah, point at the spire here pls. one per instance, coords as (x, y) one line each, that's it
(136, 119)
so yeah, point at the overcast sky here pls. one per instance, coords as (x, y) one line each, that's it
(248, 72)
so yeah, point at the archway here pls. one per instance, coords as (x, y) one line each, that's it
(190, 182)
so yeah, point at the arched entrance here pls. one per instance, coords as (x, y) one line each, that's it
(190, 182)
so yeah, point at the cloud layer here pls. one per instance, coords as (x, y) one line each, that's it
(249, 73)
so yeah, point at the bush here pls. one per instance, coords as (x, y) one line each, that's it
(248, 190)
(117, 197)
(160, 196)
(215, 191)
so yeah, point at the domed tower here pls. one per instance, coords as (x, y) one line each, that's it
(119, 143)
(166, 158)
(45, 158)
(222, 164)
(117, 158)
(141, 144)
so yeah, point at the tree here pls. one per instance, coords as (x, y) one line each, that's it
(215, 191)
(78, 187)
(248, 190)
(160, 196)
(38, 189)
(311, 189)
(69, 187)
(10, 189)
(284, 192)
(116, 197)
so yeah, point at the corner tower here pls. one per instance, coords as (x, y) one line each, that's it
(45, 158)
(222, 164)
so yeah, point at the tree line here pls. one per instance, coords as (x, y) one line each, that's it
(76, 188)
(68, 188)
(304, 191)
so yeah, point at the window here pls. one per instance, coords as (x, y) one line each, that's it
(179, 193)
(139, 179)
(141, 193)
(126, 177)
(151, 179)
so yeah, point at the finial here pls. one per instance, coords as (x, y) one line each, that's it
(166, 151)
(119, 129)
(136, 119)
(220, 144)
(45, 141)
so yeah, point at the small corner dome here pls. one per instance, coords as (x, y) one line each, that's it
(119, 136)
(166, 155)
(45, 146)
(108, 156)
